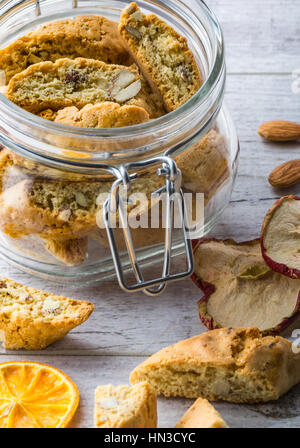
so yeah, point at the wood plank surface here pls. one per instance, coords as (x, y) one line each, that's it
(262, 44)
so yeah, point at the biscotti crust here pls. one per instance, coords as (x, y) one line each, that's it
(89, 36)
(103, 115)
(162, 54)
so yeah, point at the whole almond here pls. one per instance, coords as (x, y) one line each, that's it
(286, 175)
(280, 131)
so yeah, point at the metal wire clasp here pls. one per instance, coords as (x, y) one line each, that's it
(115, 203)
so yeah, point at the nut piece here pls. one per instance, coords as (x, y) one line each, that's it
(51, 307)
(129, 92)
(65, 214)
(185, 73)
(109, 403)
(81, 199)
(123, 88)
(280, 131)
(133, 31)
(130, 9)
(286, 175)
(137, 15)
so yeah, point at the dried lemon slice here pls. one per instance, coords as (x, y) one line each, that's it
(35, 395)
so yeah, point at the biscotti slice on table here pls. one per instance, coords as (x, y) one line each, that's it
(236, 365)
(31, 319)
(125, 407)
(93, 37)
(72, 82)
(162, 54)
(104, 115)
(201, 415)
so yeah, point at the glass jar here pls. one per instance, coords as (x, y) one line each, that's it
(52, 174)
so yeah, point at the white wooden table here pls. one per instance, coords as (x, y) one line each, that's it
(263, 40)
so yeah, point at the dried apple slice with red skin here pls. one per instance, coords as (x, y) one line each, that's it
(280, 237)
(240, 267)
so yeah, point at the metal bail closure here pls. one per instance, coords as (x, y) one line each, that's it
(115, 203)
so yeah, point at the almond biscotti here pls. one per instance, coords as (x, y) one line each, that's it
(104, 115)
(236, 365)
(162, 54)
(91, 36)
(125, 407)
(201, 415)
(63, 210)
(31, 319)
(68, 82)
(50, 208)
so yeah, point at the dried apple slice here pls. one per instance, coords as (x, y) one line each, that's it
(241, 290)
(280, 237)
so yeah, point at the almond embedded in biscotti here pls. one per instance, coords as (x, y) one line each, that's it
(133, 31)
(286, 175)
(109, 403)
(280, 131)
(51, 307)
(124, 86)
(81, 199)
(129, 92)
(2, 78)
(185, 73)
(123, 79)
(65, 214)
(137, 15)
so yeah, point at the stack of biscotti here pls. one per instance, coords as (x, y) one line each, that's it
(93, 73)
(92, 37)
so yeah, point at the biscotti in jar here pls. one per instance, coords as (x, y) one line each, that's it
(114, 131)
